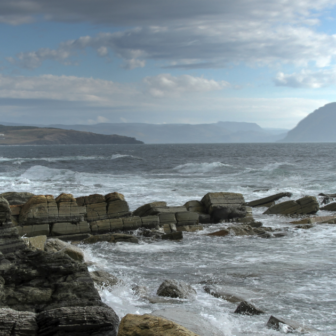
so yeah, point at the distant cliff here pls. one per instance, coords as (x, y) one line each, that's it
(27, 135)
(318, 126)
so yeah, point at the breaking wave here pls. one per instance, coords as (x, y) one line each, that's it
(201, 167)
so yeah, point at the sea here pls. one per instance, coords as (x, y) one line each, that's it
(293, 277)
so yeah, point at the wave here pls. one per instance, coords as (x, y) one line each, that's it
(122, 156)
(19, 160)
(201, 167)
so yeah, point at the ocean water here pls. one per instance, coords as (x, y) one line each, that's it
(291, 277)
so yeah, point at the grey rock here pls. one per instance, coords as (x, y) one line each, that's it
(211, 200)
(173, 236)
(225, 213)
(329, 207)
(176, 289)
(204, 219)
(17, 323)
(16, 198)
(289, 326)
(78, 321)
(57, 245)
(191, 321)
(247, 308)
(147, 209)
(264, 201)
(218, 292)
(104, 279)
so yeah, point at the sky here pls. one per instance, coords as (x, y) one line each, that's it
(154, 61)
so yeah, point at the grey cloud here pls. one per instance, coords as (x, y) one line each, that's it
(149, 12)
(307, 79)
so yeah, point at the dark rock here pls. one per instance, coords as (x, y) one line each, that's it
(306, 205)
(176, 289)
(74, 237)
(288, 326)
(256, 224)
(225, 199)
(304, 226)
(264, 201)
(16, 198)
(111, 238)
(247, 308)
(218, 292)
(225, 213)
(196, 206)
(17, 323)
(57, 245)
(173, 236)
(204, 219)
(186, 218)
(148, 209)
(78, 321)
(329, 207)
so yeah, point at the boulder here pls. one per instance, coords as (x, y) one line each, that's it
(195, 206)
(149, 325)
(329, 207)
(111, 238)
(65, 198)
(176, 289)
(167, 218)
(16, 198)
(118, 208)
(91, 199)
(288, 326)
(226, 213)
(266, 201)
(150, 222)
(59, 229)
(96, 211)
(173, 236)
(57, 245)
(306, 205)
(189, 320)
(17, 323)
(146, 210)
(84, 321)
(186, 218)
(104, 279)
(132, 223)
(102, 226)
(115, 196)
(247, 308)
(36, 242)
(210, 200)
(219, 292)
(116, 224)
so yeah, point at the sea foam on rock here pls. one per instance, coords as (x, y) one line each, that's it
(176, 289)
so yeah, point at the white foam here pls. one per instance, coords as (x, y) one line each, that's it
(204, 167)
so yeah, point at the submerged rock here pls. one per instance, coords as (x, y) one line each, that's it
(225, 213)
(149, 325)
(173, 236)
(191, 321)
(288, 326)
(247, 308)
(220, 233)
(104, 279)
(176, 289)
(218, 292)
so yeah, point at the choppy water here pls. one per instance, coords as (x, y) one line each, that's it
(291, 277)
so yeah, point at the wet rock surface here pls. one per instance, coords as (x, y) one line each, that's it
(176, 289)
(219, 292)
(246, 308)
(266, 201)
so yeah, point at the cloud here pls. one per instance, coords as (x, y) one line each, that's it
(192, 33)
(57, 99)
(168, 85)
(307, 79)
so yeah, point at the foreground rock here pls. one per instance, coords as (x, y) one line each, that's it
(288, 326)
(303, 206)
(176, 289)
(246, 308)
(149, 325)
(189, 320)
(268, 201)
(18, 323)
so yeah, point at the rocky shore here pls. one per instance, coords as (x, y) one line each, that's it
(46, 288)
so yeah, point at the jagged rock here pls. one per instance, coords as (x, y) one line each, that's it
(173, 236)
(220, 233)
(104, 279)
(84, 321)
(226, 213)
(189, 320)
(36, 242)
(17, 323)
(149, 325)
(176, 289)
(288, 326)
(16, 198)
(57, 245)
(306, 205)
(247, 308)
(218, 292)
(111, 238)
(263, 202)
(195, 206)
(210, 200)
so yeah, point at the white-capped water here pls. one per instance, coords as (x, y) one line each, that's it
(291, 277)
